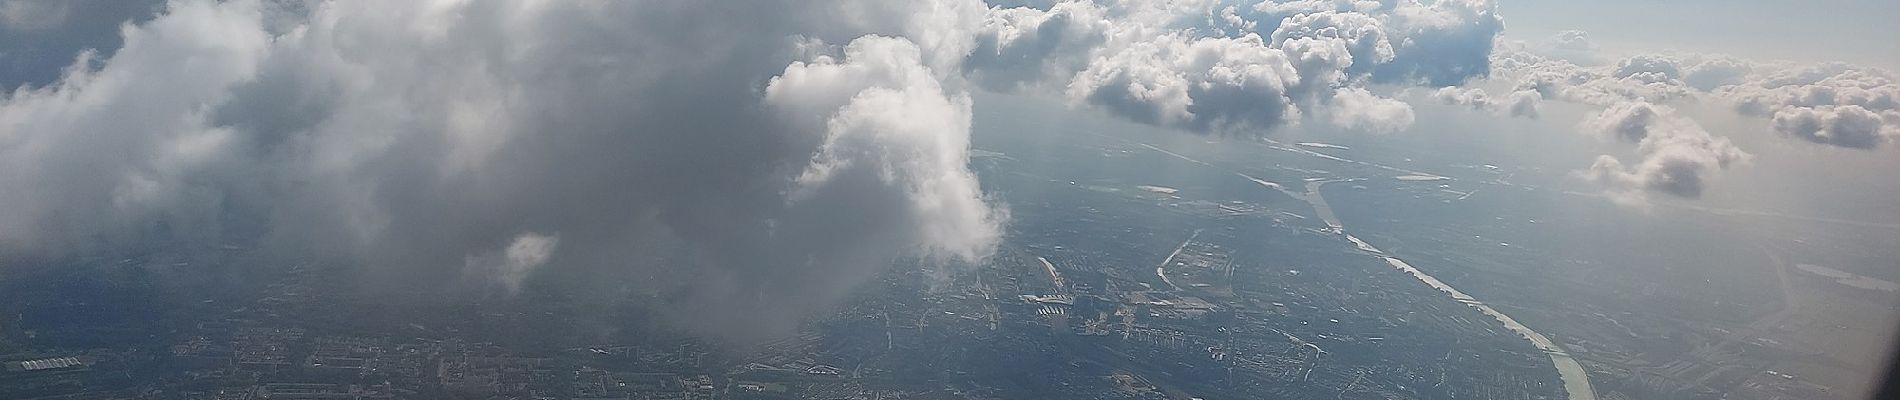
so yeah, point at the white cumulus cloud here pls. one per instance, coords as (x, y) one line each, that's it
(1676, 155)
(420, 140)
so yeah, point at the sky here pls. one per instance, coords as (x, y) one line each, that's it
(1853, 31)
(787, 150)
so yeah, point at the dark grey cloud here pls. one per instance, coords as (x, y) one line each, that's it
(39, 38)
(480, 141)
(751, 173)
(1445, 43)
(1022, 46)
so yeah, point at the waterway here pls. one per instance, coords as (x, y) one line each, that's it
(1576, 382)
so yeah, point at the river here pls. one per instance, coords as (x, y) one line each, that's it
(1576, 382)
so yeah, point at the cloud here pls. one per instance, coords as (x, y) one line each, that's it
(1024, 46)
(1206, 84)
(1631, 121)
(1437, 43)
(1834, 104)
(1647, 68)
(1363, 36)
(40, 37)
(1573, 40)
(888, 175)
(1815, 86)
(1231, 70)
(33, 15)
(1523, 103)
(1356, 108)
(1846, 126)
(1519, 103)
(91, 159)
(429, 142)
(1676, 156)
(1716, 72)
(1444, 43)
(512, 264)
(1652, 80)
(759, 170)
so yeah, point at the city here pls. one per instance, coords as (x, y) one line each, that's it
(1111, 286)
(948, 199)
